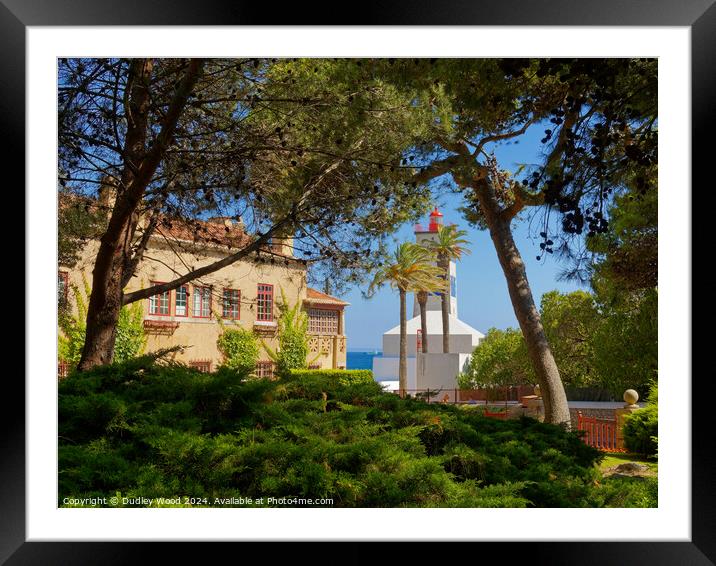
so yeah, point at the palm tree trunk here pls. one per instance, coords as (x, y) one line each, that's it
(403, 361)
(556, 408)
(423, 304)
(445, 306)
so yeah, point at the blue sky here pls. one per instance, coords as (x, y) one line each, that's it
(483, 300)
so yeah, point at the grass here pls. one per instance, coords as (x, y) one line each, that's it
(619, 490)
(614, 459)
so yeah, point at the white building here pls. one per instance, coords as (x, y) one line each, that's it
(434, 370)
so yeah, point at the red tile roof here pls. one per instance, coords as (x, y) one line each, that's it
(219, 231)
(314, 296)
(201, 231)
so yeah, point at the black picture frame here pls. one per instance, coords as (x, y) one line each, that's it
(699, 15)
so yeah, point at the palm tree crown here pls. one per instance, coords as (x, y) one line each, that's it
(410, 270)
(450, 243)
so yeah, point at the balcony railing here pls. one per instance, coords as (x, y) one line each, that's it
(160, 326)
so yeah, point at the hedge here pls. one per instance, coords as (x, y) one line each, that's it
(641, 428)
(342, 376)
(165, 431)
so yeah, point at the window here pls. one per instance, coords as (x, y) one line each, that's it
(159, 304)
(62, 287)
(181, 300)
(453, 286)
(264, 302)
(202, 302)
(231, 303)
(203, 366)
(264, 369)
(323, 321)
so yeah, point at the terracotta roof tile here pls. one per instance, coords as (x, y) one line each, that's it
(314, 296)
(219, 231)
(202, 231)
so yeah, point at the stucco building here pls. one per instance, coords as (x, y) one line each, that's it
(245, 293)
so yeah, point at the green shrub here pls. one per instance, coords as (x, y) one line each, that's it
(292, 338)
(240, 348)
(162, 430)
(623, 491)
(130, 341)
(341, 376)
(130, 332)
(500, 359)
(641, 428)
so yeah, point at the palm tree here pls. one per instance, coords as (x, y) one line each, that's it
(422, 297)
(450, 244)
(436, 284)
(411, 268)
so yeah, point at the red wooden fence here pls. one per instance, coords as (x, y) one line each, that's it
(498, 415)
(599, 433)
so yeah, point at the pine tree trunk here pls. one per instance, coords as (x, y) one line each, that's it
(103, 310)
(445, 306)
(115, 249)
(556, 408)
(423, 304)
(403, 361)
(107, 294)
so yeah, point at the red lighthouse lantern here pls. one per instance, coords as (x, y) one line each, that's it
(436, 221)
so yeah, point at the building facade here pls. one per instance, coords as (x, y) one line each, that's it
(246, 294)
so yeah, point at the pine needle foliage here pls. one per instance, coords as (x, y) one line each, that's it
(143, 429)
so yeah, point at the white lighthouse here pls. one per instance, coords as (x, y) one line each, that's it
(435, 370)
(434, 299)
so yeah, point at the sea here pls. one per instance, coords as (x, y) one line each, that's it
(362, 359)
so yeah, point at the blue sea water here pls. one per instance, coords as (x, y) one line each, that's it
(361, 360)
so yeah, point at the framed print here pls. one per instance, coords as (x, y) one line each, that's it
(38, 36)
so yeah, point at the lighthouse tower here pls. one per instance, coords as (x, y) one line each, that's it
(434, 370)
(435, 299)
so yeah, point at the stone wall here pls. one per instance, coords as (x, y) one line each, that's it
(535, 409)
